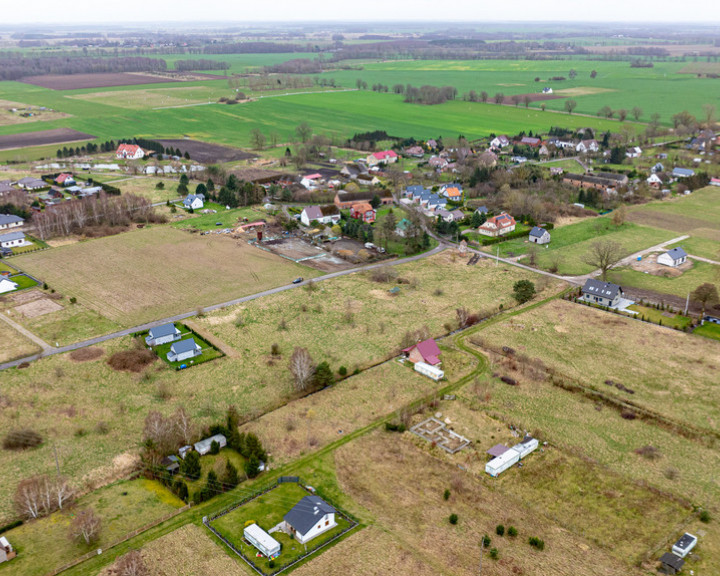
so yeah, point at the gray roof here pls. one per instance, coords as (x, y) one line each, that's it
(482, 210)
(672, 560)
(191, 198)
(12, 236)
(313, 213)
(415, 188)
(161, 331)
(677, 253)
(599, 288)
(537, 232)
(683, 172)
(10, 219)
(33, 182)
(305, 513)
(184, 346)
(686, 540)
(206, 443)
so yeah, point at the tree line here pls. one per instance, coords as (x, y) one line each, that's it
(201, 64)
(15, 67)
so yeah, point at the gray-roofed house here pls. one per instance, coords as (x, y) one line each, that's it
(31, 183)
(183, 350)
(162, 335)
(8, 221)
(309, 518)
(482, 210)
(328, 214)
(602, 293)
(683, 172)
(539, 235)
(12, 239)
(194, 201)
(203, 447)
(671, 563)
(674, 257)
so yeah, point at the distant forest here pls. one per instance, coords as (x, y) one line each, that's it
(14, 67)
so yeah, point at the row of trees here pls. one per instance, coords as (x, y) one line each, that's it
(102, 210)
(429, 94)
(200, 64)
(13, 67)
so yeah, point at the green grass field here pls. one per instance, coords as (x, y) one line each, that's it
(700, 273)
(658, 317)
(709, 330)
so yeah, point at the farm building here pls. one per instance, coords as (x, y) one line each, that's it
(384, 157)
(497, 450)
(426, 351)
(597, 180)
(602, 293)
(345, 200)
(363, 211)
(430, 371)
(129, 152)
(328, 214)
(539, 235)
(8, 221)
(12, 240)
(673, 257)
(528, 445)
(162, 335)
(309, 518)
(31, 184)
(497, 225)
(183, 350)
(194, 201)
(203, 447)
(683, 546)
(6, 550)
(312, 181)
(671, 563)
(7, 285)
(184, 450)
(530, 141)
(266, 544)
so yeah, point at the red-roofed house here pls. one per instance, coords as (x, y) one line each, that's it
(384, 157)
(130, 152)
(312, 180)
(530, 141)
(498, 225)
(363, 211)
(714, 181)
(426, 351)
(65, 180)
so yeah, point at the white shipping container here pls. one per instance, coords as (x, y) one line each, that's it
(429, 371)
(498, 465)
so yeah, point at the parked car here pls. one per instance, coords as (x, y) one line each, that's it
(297, 280)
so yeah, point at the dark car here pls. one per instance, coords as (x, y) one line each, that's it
(297, 280)
(218, 223)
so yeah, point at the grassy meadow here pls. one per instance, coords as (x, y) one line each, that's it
(14, 345)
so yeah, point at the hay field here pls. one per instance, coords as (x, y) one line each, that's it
(142, 99)
(13, 344)
(403, 490)
(158, 271)
(671, 372)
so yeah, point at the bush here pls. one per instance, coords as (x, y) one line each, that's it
(22, 439)
(393, 427)
(342, 371)
(453, 519)
(512, 531)
(271, 564)
(131, 360)
(486, 540)
(214, 447)
(10, 526)
(275, 350)
(536, 542)
(500, 530)
(494, 553)
(190, 466)
(705, 516)
(446, 495)
(523, 291)
(73, 300)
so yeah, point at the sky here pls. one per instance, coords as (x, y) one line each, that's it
(231, 11)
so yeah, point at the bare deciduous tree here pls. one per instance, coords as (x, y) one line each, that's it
(42, 495)
(619, 215)
(706, 295)
(86, 526)
(603, 254)
(131, 564)
(462, 314)
(302, 368)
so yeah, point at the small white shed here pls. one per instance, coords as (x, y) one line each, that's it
(262, 540)
(429, 371)
(498, 465)
(683, 546)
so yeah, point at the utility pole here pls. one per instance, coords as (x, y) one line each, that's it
(482, 550)
(57, 463)
(687, 304)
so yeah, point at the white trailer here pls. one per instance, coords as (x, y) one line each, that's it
(429, 371)
(262, 540)
(525, 447)
(498, 465)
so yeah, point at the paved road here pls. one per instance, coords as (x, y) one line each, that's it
(49, 351)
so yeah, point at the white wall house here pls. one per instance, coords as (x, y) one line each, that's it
(129, 152)
(7, 285)
(12, 240)
(539, 235)
(309, 518)
(601, 293)
(194, 201)
(429, 371)
(162, 335)
(324, 215)
(673, 258)
(9, 221)
(184, 350)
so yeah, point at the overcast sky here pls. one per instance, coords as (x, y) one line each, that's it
(76, 11)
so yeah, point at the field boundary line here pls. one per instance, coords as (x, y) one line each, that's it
(44, 346)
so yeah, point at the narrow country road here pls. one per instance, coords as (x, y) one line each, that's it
(47, 350)
(44, 345)
(701, 259)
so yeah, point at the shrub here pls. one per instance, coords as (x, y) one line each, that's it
(446, 495)
(131, 360)
(342, 371)
(494, 553)
(394, 427)
(275, 350)
(536, 542)
(628, 414)
(512, 531)
(22, 439)
(500, 530)
(73, 300)
(649, 452)
(271, 564)
(705, 516)
(453, 519)
(486, 540)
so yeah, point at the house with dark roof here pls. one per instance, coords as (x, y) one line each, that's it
(328, 214)
(426, 351)
(309, 518)
(539, 235)
(497, 225)
(597, 180)
(670, 563)
(183, 350)
(8, 221)
(194, 201)
(31, 183)
(171, 464)
(602, 293)
(410, 191)
(162, 335)
(674, 257)
(345, 200)
(530, 141)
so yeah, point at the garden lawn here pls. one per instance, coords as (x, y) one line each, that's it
(228, 218)
(709, 330)
(209, 352)
(43, 544)
(682, 285)
(267, 511)
(23, 281)
(74, 323)
(699, 246)
(656, 316)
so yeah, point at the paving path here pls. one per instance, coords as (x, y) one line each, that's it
(47, 350)
(43, 345)
(701, 259)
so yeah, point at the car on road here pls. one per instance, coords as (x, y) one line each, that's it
(297, 280)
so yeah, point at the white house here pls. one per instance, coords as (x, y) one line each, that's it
(497, 225)
(266, 544)
(129, 152)
(183, 350)
(162, 335)
(539, 235)
(6, 550)
(31, 184)
(384, 157)
(674, 257)
(204, 446)
(602, 293)
(194, 201)
(311, 181)
(7, 285)
(634, 152)
(323, 214)
(8, 221)
(683, 546)
(586, 146)
(13, 240)
(309, 518)
(500, 142)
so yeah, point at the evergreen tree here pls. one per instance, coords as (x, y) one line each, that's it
(190, 466)
(230, 478)
(323, 376)
(252, 467)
